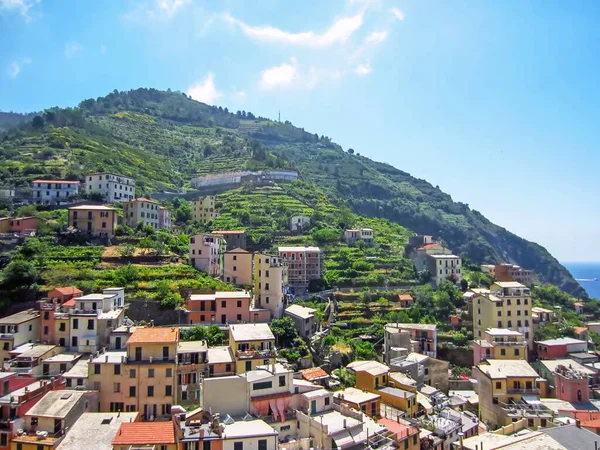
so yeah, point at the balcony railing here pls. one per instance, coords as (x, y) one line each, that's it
(7, 336)
(250, 354)
(510, 343)
(523, 391)
(289, 415)
(83, 312)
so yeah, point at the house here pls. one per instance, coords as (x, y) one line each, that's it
(367, 402)
(579, 307)
(304, 319)
(405, 300)
(62, 294)
(18, 329)
(253, 345)
(233, 238)
(304, 266)
(444, 267)
(192, 366)
(204, 210)
(512, 272)
(420, 255)
(542, 316)
(99, 428)
(77, 376)
(142, 378)
(547, 368)
(164, 218)
(141, 210)
(499, 343)
(270, 283)
(114, 188)
(221, 361)
(316, 375)
(19, 225)
(405, 433)
(571, 385)
(510, 389)
(423, 338)
(205, 253)
(490, 269)
(7, 193)
(423, 369)
(237, 267)
(360, 234)
(95, 220)
(29, 362)
(151, 435)
(49, 419)
(299, 223)
(560, 347)
(226, 307)
(59, 363)
(415, 242)
(53, 192)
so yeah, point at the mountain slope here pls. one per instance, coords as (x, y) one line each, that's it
(164, 138)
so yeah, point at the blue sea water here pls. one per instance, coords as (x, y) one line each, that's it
(585, 273)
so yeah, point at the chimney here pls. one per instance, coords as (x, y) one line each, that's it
(344, 423)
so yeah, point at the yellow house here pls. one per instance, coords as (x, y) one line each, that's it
(237, 267)
(142, 378)
(253, 345)
(270, 283)
(500, 343)
(96, 220)
(203, 209)
(509, 390)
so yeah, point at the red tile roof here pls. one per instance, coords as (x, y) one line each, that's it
(429, 246)
(405, 297)
(145, 433)
(314, 373)
(68, 290)
(582, 414)
(580, 330)
(591, 424)
(70, 303)
(154, 335)
(399, 429)
(56, 181)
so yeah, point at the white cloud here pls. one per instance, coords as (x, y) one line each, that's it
(338, 33)
(376, 37)
(169, 7)
(14, 69)
(20, 6)
(363, 69)
(157, 10)
(399, 15)
(279, 76)
(205, 91)
(72, 49)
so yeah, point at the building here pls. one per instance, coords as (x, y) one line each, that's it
(7, 193)
(304, 266)
(422, 369)
(99, 428)
(54, 192)
(114, 188)
(18, 329)
(221, 361)
(299, 223)
(59, 363)
(560, 347)
(164, 218)
(444, 267)
(422, 337)
(205, 253)
(204, 209)
(360, 234)
(95, 220)
(420, 255)
(364, 401)
(571, 385)
(507, 305)
(62, 294)
(543, 316)
(233, 238)
(547, 369)
(192, 368)
(253, 345)
(512, 272)
(19, 225)
(270, 283)
(142, 378)
(490, 269)
(29, 362)
(416, 242)
(405, 300)
(499, 343)
(47, 422)
(509, 389)
(304, 319)
(237, 267)
(141, 210)
(405, 433)
(227, 307)
(146, 435)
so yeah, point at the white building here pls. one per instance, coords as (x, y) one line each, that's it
(164, 218)
(444, 267)
(114, 188)
(53, 192)
(18, 329)
(299, 223)
(205, 253)
(141, 210)
(358, 234)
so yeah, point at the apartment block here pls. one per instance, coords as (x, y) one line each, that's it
(304, 319)
(192, 368)
(304, 266)
(507, 305)
(270, 283)
(141, 210)
(114, 188)
(204, 209)
(142, 378)
(205, 253)
(164, 218)
(253, 345)
(53, 192)
(360, 234)
(499, 343)
(444, 267)
(226, 307)
(512, 272)
(423, 338)
(237, 267)
(18, 329)
(95, 220)
(233, 238)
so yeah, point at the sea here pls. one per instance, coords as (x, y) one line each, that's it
(588, 276)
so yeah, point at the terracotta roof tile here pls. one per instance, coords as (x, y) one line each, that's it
(313, 373)
(70, 303)
(429, 246)
(145, 433)
(154, 335)
(405, 297)
(69, 290)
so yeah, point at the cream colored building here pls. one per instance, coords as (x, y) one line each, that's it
(253, 345)
(205, 253)
(18, 329)
(204, 209)
(95, 220)
(237, 267)
(270, 283)
(499, 343)
(114, 188)
(141, 210)
(444, 267)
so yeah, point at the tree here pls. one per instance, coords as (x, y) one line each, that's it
(37, 122)
(126, 250)
(351, 151)
(284, 331)
(19, 274)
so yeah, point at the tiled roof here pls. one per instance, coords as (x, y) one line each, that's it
(143, 199)
(56, 181)
(405, 297)
(314, 373)
(580, 330)
(154, 335)
(91, 207)
(429, 246)
(69, 290)
(145, 433)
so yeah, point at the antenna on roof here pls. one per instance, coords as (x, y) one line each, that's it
(279, 116)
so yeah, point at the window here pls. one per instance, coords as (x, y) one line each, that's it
(235, 268)
(116, 387)
(150, 373)
(516, 352)
(281, 380)
(499, 313)
(498, 385)
(262, 444)
(326, 401)
(131, 373)
(169, 372)
(150, 391)
(239, 304)
(238, 446)
(168, 390)
(503, 351)
(499, 324)
(248, 365)
(223, 304)
(509, 313)
(132, 391)
(62, 327)
(97, 369)
(262, 385)
(117, 369)
(75, 324)
(239, 317)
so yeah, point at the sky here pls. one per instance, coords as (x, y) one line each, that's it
(497, 103)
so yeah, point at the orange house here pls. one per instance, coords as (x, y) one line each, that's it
(96, 220)
(219, 308)
(21, 225)
(62, 294)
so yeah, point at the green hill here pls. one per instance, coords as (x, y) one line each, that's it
(164, 138)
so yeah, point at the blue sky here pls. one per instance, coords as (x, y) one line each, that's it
(495, 102)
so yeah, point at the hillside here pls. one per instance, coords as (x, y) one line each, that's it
(164, 138)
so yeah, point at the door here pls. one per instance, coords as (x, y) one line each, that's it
(313, 406)
(46, 369)
(223, 318)
(118, 342)
(74, 342)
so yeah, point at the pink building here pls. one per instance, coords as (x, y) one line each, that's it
(570, 385)
(219, 308)
(205, 253)
(560, 347)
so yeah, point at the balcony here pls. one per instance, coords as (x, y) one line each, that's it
(7, 336)
(288, 415)
(83, 312)
(523, 391)
(510, 343)
(252, 354)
